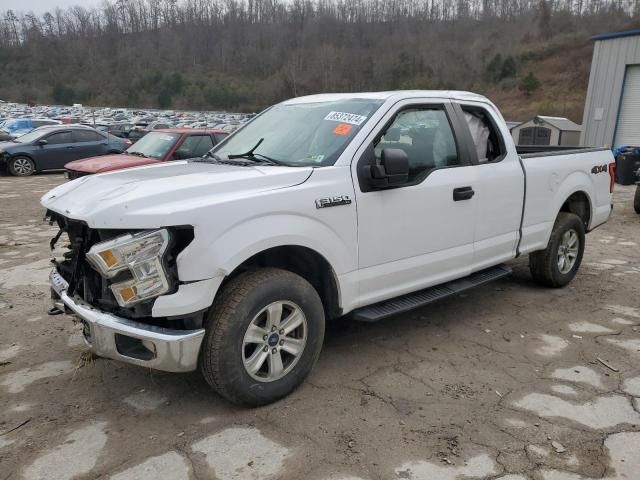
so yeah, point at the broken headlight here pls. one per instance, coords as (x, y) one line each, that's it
(142, 255)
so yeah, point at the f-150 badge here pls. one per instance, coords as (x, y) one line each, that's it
(333, 201)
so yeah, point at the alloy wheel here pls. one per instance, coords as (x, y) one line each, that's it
(568, 251)
(274, 341)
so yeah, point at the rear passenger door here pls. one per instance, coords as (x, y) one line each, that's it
(193, 146)
(59, 150)
(499, 186)
(89, 143)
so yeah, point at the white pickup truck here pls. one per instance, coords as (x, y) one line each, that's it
(367, 204)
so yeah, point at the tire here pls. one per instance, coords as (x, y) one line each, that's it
(21, 166)
(636, 199)
(253, 299)
(546, 265)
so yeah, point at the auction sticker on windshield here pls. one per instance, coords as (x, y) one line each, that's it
(342, 129)
(344, 117)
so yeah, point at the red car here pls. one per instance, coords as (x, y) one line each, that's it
(157, 146)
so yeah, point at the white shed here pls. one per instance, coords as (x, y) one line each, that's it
(543, 130)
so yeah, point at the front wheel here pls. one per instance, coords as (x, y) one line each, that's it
(21, 166)
(263, 335)
(556, 265)
(636, 199)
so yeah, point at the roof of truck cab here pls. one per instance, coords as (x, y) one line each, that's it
(399, 94)
(190, 130)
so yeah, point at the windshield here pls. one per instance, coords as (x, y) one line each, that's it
(154, 144)
(29, 137)
(308, 134)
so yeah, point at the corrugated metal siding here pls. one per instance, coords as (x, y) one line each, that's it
(610, 60)
(628, 126)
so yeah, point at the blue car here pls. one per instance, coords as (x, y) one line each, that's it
(14, 127)
(50, 148)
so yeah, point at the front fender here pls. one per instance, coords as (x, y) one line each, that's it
(206, 258)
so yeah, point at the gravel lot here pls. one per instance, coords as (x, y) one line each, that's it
(502, 382)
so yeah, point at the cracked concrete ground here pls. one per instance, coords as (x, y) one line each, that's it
(510, 381)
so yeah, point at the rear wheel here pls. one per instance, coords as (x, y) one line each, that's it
(21, 166)
(263, 336)
(636, 199)
(556, 265)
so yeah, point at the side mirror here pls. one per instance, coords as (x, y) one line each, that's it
(42, 142)
(393, 169)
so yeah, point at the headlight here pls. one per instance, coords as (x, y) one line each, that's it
(141, 254)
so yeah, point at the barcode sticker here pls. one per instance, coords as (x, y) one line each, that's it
(344, 117)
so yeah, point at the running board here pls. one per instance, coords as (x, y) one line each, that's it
(387, 308)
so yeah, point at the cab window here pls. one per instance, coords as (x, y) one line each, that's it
(194, 146)
(426, 136)
(486, 137)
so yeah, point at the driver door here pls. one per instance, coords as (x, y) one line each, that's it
(59, 150)
(421, 233)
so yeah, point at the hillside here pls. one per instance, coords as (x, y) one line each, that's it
(528, 56)
(562, 67)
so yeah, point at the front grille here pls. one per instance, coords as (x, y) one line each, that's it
(73, 174)
(86, 283)
(83, 280)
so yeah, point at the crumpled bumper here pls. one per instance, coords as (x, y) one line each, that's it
(129, 341)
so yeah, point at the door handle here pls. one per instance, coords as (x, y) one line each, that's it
(462, 193)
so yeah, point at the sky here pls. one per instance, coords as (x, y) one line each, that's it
(40, 6)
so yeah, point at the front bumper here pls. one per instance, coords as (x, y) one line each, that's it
(129, 341)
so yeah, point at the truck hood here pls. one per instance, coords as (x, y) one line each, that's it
(164, 194)
(108, 163)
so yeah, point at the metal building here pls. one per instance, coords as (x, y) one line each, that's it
(612, 109)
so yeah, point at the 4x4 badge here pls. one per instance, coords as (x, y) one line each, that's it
(333, 201)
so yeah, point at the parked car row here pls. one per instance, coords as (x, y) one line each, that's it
(51, 147)
(122, 122)
(34, 139)
(158, 146)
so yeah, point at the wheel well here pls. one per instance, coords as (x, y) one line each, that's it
(302, 261)
(578, 204)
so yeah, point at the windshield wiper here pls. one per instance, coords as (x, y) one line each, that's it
(139, 154)
(207, 156)
(248, 154)
(256, 157)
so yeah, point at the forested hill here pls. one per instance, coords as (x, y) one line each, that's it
(529, 56)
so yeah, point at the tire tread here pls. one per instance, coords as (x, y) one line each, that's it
(222, 315)
(541, 263)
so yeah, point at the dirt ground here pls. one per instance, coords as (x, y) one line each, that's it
(508, 381)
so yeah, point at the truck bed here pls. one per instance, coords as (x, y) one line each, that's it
(551, 177)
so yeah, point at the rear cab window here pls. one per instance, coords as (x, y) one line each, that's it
(487, 139)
